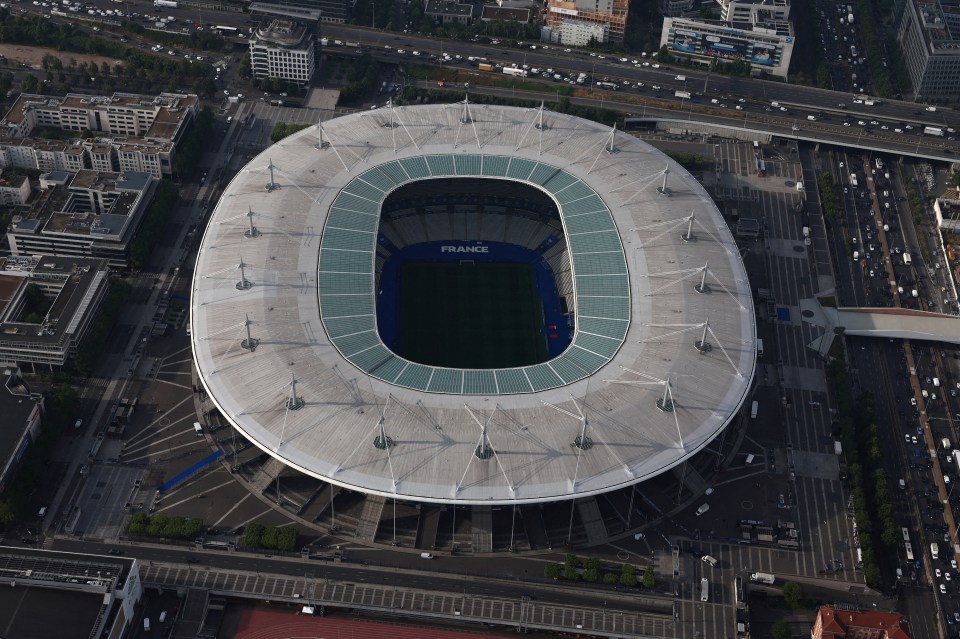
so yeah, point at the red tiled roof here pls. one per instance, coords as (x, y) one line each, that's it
(844, 624)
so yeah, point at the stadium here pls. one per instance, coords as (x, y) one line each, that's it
(454, 309)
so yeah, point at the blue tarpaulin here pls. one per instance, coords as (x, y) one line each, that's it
(189, 472)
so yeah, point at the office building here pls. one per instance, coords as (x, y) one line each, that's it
(83, 214)
(67, 595)
(284, 50)
(753, 11)
(766, 46)
(22, 412)
(73, 289)
(929, 38)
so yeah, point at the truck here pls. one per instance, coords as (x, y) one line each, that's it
(850, 18)
(517, 72)
(935, 550)
(683, 95)
(837, 448)
(762, 578)
(907, 259)
(483, 66)
(611, 86)
(168, 4)
(853, 180)
(754, 408)
(933, 130)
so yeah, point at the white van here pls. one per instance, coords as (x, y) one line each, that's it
(856, 256)
(426, 555)
(945, 443)
(198, 429)
(702, 509)
(750, 458)
(709, 560)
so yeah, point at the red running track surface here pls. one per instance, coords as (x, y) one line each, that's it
(275, 624)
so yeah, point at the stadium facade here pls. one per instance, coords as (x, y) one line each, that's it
(655, 319)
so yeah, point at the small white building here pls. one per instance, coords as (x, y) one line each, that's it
(283, 49)
(579, 33)
(14, 189)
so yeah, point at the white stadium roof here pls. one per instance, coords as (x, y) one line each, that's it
(586, 422)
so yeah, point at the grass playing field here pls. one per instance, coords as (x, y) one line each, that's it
(470, 316)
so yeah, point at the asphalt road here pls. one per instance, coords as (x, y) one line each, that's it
(800, 100)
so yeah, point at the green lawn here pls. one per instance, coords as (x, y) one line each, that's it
(470, 315)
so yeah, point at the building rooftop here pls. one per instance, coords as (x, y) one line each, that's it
(66, 208)
(77, 275)
(448, 8)
(281, 33)
(169, 108)
(845, 624)
(16, 405)
(50, 585)
(493, 12)
(628, 353)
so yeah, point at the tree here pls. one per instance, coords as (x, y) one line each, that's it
(649, 579)
(570, 567)
(592, 571)
(551, 571)
(781, 630)
(628, 575)
(792, 594)
(610, 578)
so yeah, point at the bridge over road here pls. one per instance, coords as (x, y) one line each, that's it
(895, 323)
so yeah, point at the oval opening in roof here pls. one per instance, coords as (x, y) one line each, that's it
(473, 273)
(543, 244)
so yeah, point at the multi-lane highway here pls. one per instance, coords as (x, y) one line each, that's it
(867, 124)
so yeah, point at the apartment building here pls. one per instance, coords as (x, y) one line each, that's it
(127, 132)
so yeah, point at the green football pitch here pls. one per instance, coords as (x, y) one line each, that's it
(477, 315)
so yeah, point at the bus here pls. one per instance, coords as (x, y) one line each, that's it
(956, 459)
(909, 552)
(906, 535)
(738, 593)
(704, 589)
(226, 30)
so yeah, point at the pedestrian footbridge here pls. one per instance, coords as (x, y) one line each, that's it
(895, 323)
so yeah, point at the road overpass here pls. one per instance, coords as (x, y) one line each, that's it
(892, 323)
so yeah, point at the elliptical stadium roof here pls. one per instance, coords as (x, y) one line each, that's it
(288, 259)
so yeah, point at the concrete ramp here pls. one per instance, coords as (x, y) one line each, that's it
(592, 520)
(370, 517)
(481, 519)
